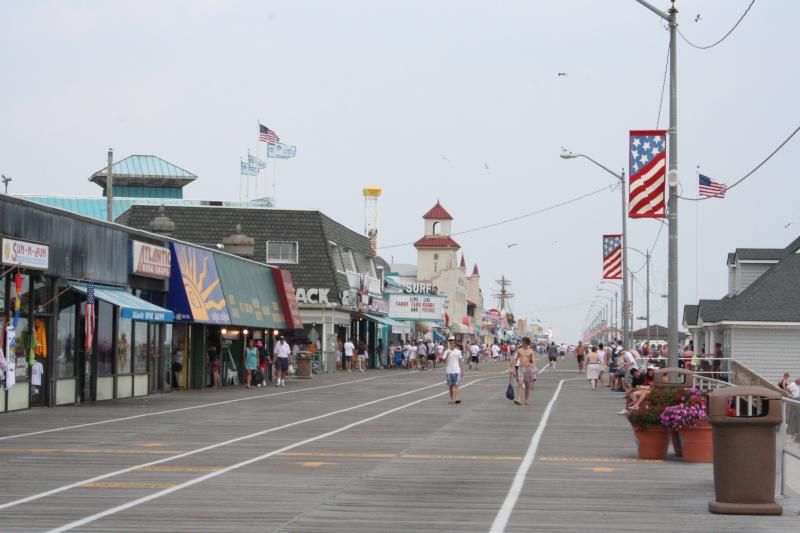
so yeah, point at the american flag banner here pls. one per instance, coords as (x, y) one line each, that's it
(648, 172)
(710, 188)
(89, 312)
(267, 135)
(612, 256)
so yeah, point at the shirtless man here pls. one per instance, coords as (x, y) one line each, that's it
(580, 353)
(526, 374)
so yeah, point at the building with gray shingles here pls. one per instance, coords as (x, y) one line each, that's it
(758, 321)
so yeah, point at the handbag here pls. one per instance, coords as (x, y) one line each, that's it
(510, 390)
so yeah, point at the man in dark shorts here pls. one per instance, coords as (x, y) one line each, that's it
(580, 353)
(552, 354)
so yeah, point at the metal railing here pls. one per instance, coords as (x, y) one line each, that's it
(790, 443)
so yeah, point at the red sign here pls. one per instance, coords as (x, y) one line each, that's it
(285, 288)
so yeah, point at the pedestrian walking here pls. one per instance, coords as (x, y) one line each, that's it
(593, 367)
(363, 355)
(524, 365)
(250, 364)
(454, 367)
(580, 354)
(349, 350)
(552, 354)
(475, 356)
(422, 354)
(282, 352)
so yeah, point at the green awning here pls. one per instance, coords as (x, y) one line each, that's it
(250, 293)
(130, 305)
(383, 320)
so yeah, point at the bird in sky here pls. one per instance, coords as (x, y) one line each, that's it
(787, 225)
(698, 18)
(486, 166)
(445, 158)
(554, 243)
(560, 74)
(511, 245)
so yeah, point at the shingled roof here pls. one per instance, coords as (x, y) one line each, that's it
(312, 230)
(437, 212)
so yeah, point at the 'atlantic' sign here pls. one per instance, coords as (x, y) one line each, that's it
(150, 260)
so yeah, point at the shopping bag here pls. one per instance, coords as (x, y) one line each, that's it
(510, 389)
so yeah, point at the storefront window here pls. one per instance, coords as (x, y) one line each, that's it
(124, 330)
(105, 338)
(140, 347)
(65, 339)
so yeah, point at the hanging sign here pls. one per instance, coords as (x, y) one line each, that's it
(26, 254)
(150, 260)
(413, 307)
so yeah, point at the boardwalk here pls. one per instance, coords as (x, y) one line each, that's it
(350, 452)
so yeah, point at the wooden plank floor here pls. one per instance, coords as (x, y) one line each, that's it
(428, 466)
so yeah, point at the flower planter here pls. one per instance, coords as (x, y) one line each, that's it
(697, 443)
(652, 442)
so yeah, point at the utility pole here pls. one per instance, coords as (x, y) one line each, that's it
(671, 17)
(110, 187)
(5, 180)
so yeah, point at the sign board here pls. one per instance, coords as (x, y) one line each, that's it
(150, 260)
(349, 298)
(286, 294)
(312, 296)
(26, 254)
(379, 305)
(420, 288)
(412, 307)
(402, 328)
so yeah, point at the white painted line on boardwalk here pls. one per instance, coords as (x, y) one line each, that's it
(101, 477)
(181, 409)
(500, 521)
(195, 481)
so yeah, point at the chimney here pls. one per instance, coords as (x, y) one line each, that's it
(239, 243)
(162, 224)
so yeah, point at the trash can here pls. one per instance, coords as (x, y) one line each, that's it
(744, 420)
(303, 370)
(673, 377)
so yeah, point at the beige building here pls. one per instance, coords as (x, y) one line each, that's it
(437, 264)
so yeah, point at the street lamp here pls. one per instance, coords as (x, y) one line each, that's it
(566, 154)
(671, 17)
(5, 179)
(647, 255)
(614, 307)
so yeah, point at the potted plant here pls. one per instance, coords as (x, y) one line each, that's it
(663, 397)
(688, 419)
(652, 438)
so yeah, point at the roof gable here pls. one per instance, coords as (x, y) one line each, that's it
(437, 212)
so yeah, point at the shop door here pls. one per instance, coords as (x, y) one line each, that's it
(155, 365)
(85, 368)
(41, 369)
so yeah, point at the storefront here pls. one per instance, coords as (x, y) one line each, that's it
(220, 303)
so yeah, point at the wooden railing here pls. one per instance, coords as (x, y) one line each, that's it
(741, 374)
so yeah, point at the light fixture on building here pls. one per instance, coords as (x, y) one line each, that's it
(223, 331)
(275, 333)
(245, 331)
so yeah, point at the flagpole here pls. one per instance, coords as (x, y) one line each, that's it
(697, 244)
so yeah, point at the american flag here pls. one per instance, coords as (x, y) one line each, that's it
(612, 256)
(711, 189)
(267, 135)
(89, 312)
(648, 171)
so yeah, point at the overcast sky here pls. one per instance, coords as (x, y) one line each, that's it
(375, 93)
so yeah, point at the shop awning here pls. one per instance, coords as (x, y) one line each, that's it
(383, 320)
(437, 336)
(130, 305)
(250, 293)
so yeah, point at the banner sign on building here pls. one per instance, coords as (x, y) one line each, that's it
(195, 293)
(150, 260)
(26, 254)
(379, 305)
(286, 293)
(412, 307)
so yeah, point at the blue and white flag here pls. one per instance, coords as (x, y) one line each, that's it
(247, 170)
(281, 151)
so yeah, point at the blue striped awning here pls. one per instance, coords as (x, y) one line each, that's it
(130, 305)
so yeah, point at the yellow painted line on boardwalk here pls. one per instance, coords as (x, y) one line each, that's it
(151, 444)
(568, 459)
(316, 464)
(377, 455)
(601, 469)
(90, 452)
(360, 455)
(463, 457)
(180, 469)
(121, 485)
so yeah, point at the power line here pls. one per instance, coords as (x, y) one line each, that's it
(520, 217)
(690, 43)
(775, 151)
